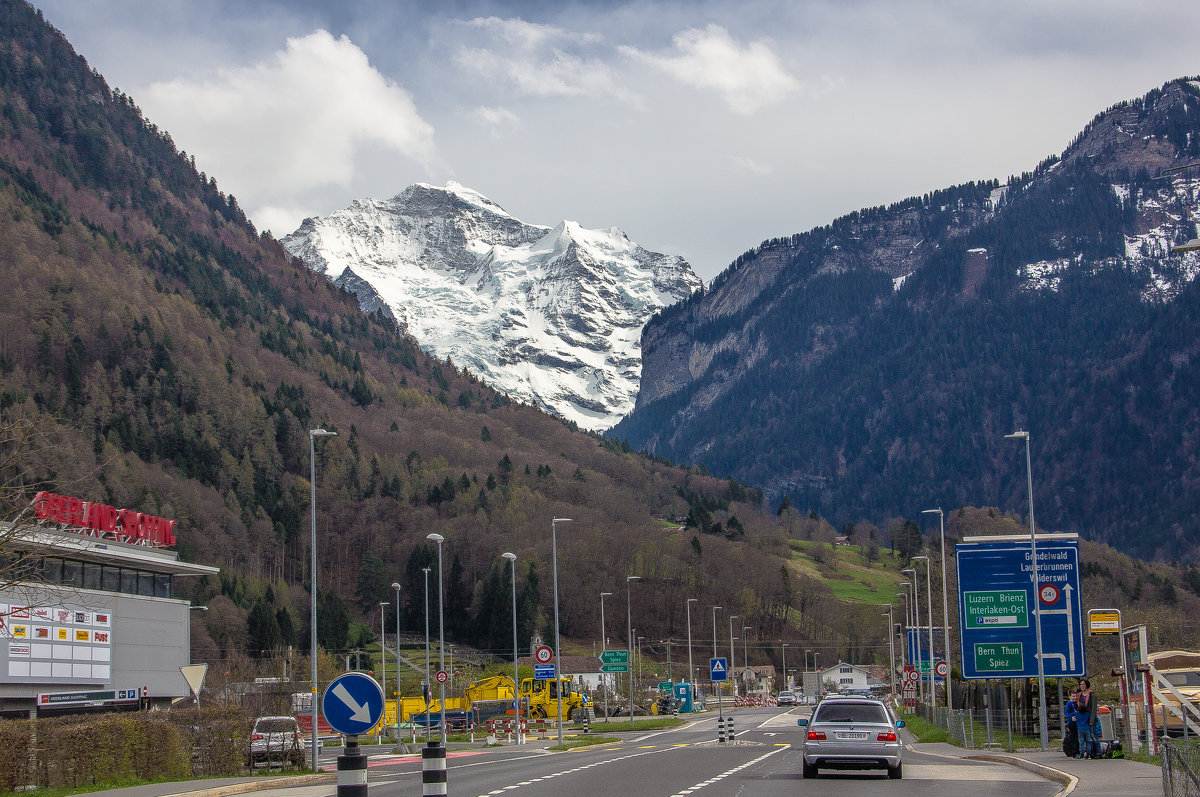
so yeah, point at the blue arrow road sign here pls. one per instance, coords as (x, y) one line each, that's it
(718, 669)
(352, 703)
(998, 606)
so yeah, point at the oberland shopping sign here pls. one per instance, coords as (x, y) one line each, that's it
(106, 522)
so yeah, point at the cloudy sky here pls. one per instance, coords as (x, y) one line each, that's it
(700, 128)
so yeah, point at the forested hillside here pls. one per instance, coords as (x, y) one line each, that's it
(872, 367)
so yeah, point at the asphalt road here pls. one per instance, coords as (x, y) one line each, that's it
(689, 761)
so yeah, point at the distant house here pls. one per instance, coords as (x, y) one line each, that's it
(849, 677)
(755, 681)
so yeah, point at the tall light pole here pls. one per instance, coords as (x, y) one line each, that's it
(720, 708)
(396, 694)
(313, 434)
(945, 606)
(929, 609)
(557, 650)
(745, 650)
(1037, 613)
(439, 539)
(428, 682)
(916, 605)
(891, 648)
(383, 659)
(688, 606)
(604, 647)
(905, 647)
(784, 648)
(512, 558)
(629, 639)
(732, 653)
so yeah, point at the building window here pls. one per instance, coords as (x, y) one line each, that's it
(72, 573)
(146, 584)
(845, 670)
(128, 581)
(162, 585)
(52, 570)
(110, 579)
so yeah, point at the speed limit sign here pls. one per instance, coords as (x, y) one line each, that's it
(543, 654)
(441, 676)
(942, 669)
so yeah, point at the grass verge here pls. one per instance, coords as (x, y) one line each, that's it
(585, 741)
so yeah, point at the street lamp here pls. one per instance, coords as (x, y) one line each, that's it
(786, 685)
(688, 606)
(512, 557)
(945, 605)
(557, 650)
(629, 639)
(396, 586)
(891, 648)
(1037, 613)
(932, 657)
(732, 653)
(439, 539)
(383, 658)
(313, 434)
(604, 647)
(916, 605)
(720, 708)
(428, 682)
(745, 651)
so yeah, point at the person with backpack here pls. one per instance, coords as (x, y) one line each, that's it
(1071, 731)
(1088, 721)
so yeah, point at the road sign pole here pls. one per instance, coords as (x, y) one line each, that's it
(352, 770)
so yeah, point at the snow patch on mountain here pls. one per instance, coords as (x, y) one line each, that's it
(552, 316)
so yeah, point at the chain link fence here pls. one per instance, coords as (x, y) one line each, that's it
(1180, 769)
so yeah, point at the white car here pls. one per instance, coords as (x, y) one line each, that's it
(786, 698)
(277, 739)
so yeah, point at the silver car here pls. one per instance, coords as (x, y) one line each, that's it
(277, 739)
(852, 733)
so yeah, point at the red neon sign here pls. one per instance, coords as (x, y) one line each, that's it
(122, 525)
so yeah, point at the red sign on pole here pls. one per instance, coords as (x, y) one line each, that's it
(543, 655)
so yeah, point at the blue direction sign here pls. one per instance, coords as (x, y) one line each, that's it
(918, 651)
(998, 603)
(718, 669)
(352, 703)
(543, 672)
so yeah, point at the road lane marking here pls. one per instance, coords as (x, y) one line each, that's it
(726, 774)
(572, 771)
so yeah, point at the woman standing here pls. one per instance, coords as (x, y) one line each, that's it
(1088, 720)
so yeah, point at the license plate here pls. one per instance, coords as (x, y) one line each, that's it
(851, 735)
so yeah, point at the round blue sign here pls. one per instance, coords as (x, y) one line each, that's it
(352, 703)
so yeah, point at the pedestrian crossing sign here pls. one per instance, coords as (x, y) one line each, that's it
(718, 669)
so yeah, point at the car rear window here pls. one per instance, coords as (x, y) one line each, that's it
(275, 726)
(850, 712)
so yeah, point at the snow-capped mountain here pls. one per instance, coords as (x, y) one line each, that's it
(552, 316)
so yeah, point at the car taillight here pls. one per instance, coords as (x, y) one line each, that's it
(256, 737)
(816, 736)
(887, 736)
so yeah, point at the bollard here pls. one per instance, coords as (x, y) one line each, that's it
(587, 725)
(433, 769)
(721, 730)
(729, 730)
(352, 771)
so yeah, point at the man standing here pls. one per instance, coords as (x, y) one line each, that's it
(1088, 719)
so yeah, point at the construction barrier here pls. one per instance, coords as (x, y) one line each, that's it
(509, 726)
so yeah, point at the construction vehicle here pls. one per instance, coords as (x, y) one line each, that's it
(540, 695)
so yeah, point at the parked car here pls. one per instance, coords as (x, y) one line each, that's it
(277, 739)
(851, 733)
(786, 698)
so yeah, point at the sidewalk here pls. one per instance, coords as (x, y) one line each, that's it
(1103, 777)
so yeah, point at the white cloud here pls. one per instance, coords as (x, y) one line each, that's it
(538, 60)
(752, 166)
(291, 124)
(497, 120)
(748, 77)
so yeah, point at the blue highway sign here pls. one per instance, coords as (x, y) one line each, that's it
(718, 669)
(998, 607)
(352, 703)
(543, 672)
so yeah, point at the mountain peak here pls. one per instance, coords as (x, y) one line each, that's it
(551, 316)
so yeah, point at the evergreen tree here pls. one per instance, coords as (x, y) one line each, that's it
(263, 636)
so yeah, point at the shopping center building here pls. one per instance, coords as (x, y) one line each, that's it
(92, 621)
